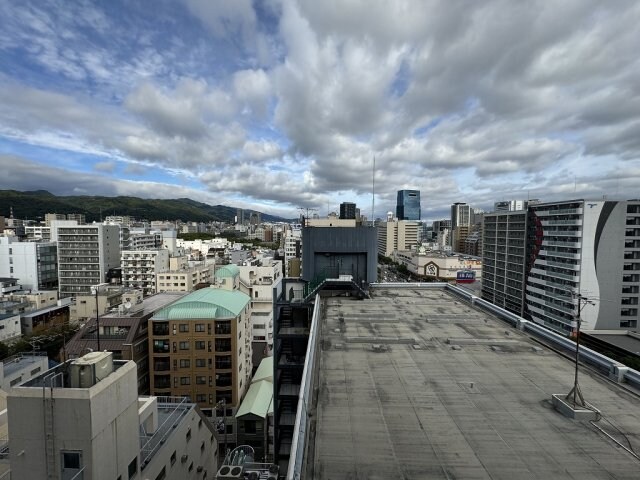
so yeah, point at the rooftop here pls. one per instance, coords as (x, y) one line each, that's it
(416, 384)
(205, 303)
(228, 271)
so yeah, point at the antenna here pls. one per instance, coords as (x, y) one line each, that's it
(307, 210)
(373, 192)
(575, 392)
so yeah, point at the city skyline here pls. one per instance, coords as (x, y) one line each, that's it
(276, 105)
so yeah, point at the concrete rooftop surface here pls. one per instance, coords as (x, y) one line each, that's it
(415, 384)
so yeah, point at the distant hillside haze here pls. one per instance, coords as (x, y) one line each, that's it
(35, 204)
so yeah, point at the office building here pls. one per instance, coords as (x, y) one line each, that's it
(85, 255)
(587, 248)
(84, 420)
(461, 215)
(504, 259)
(34, 263)
(408, 205)
(397, 235)
(347, 210)
(140, 267)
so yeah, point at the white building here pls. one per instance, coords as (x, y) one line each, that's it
(84, 419)
(140, 267)
(34, 264)
(22, 368)
(587, 248)
(292, 249)
(144, 241)
(10, 329)
(397, 235)
(38, 232)
(263, 280)
(85, 254)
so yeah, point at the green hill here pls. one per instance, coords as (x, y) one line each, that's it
(34, 205)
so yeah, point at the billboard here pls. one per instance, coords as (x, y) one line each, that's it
(465, 276)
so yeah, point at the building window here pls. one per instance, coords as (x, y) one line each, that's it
(200, 345)
(184, 345)
(133, 468)
(201, 397)
(71, 461)
(183, 327)
(188, 436)
(199, 327)
(173, 457)
(201, 362)
(185, 363)
(185, 380)
(201, 380)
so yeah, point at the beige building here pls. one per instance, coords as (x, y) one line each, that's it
(184, 279)
(200, 345)
(438, 266)
(84, 308)
(84, 420)
(397, 235)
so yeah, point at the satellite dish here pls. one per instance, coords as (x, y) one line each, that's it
(127, 304)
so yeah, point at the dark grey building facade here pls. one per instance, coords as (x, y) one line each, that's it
(408, 205)
(333, 251)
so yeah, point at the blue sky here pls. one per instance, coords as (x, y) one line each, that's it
(276, 105)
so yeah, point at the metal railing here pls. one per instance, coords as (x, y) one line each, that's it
(149, 445)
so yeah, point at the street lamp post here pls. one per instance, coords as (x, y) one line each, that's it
(97, 317)
(95, 289)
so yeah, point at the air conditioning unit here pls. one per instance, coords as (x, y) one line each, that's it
(229, 472)
(88, 370)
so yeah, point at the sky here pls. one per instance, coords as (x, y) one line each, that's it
(276, 105)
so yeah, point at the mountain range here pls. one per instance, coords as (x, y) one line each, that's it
(35, 204)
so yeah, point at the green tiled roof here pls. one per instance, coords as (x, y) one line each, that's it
(258, 400)
(205, 303)
(264, 371)
(228, 271)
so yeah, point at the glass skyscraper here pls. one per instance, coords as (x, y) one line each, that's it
(408, 205)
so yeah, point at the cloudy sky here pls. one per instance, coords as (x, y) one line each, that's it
(279, 104)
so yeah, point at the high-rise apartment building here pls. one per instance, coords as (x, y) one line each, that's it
(35, 264)
(397, 235)
(408, 205)
(347, 210)
(140, 267)
(573, 248)
(85, 255)
(504, 259)
(587, 248)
